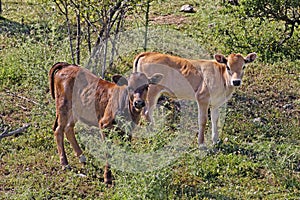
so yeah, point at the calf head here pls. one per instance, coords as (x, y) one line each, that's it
(235, 64)
(137, 87)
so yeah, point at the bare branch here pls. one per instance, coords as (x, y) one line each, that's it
(290, 34)
(5, 133)
(21, 97)
(65, 12)
(0, 7)
(60, 9)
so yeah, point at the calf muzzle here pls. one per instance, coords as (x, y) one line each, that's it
(236, 82)
(138, 104)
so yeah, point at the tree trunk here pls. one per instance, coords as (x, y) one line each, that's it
(0, 7)
(70, 38)
(78, 35)
(89, 35)
(146, 26)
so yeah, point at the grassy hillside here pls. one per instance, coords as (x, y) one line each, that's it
(259, 153)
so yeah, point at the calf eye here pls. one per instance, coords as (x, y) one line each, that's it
(228, 70)
(130, 89)
(146, 87)
(143, 88)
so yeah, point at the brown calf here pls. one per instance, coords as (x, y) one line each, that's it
(209, 82)
(80, 95)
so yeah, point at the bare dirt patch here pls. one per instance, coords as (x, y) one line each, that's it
(168, 20)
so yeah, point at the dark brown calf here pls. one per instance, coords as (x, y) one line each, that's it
(80, 95)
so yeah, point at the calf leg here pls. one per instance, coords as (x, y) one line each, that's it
(152, 97)
(61, 122)
(70, 134)
(59, 138)
(202, 96)
(202, 120)
(214, 122)
(107, 175)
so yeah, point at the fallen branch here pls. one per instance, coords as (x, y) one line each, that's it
(19, 130)
(21, 97)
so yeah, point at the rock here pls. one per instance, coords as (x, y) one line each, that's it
(232, 2)
(81, 175)
(298, 167)
(211, 25)
(257, 120)
(187, 8)
(288, 106)
(260, 120)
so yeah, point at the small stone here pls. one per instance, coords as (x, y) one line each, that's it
(288, 106)
(234, 2)
(257, 120)
(82, 159)
(187, 8)
(81, 175)
(260, 120)
(211, 25)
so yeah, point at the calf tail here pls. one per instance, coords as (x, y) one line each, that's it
(136, 61)
(53, 70)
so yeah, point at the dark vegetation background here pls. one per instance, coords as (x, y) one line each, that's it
(259, 153)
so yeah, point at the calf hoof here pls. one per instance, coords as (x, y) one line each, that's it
(108, 176)
(82, 159)
(108, 182)
(151, 127)
(66, 167)
(216, 142)
(203, 147)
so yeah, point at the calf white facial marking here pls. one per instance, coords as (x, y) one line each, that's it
(228, 69)
(233, 80)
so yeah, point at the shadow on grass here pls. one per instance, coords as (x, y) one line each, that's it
(10, 27)
(189, 191)
(236, 149)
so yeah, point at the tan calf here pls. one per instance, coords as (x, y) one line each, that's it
(80, 95)
(209, 82)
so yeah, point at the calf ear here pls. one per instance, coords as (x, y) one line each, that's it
(220, 58)
(250, 57)
(119, 80)
(155, 78)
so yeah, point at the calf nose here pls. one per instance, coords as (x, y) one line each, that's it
(139, 104)
(236, 82)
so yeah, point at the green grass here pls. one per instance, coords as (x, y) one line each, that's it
(258, 155)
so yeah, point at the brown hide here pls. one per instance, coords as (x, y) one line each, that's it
(80, 95)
